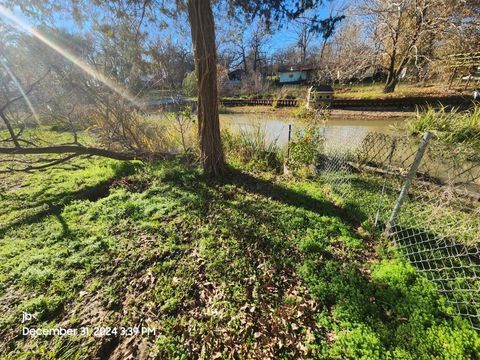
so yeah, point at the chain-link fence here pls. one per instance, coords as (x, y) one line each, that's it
(428, 204)
(335, 160)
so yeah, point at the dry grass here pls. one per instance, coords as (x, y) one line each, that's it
(375, 91)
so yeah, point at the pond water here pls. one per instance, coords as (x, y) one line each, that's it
(276, 127)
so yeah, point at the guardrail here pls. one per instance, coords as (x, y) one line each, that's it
(399, 103)
(253, 102)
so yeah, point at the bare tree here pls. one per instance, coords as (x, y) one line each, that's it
(304, 38)
(169, 63)
(349, 55)
(37, 86)
(400, 26)
(232, 46)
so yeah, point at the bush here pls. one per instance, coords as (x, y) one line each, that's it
(292, 92)
(253, 149)
(303, 113)
(305, 149)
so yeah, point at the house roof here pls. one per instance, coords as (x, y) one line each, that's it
(290, 68)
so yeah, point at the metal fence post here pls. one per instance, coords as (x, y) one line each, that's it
(408, 181)
(286, 171)
(288, 142)
(380, 200)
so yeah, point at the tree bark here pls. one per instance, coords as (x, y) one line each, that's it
(203, 39)
(392, 81)
(10, 129)
(390, 86)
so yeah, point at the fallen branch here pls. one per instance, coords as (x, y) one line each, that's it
(81, 150)
(40, 167)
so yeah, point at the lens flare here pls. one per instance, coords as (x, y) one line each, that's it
(117, 88)
(19, 86)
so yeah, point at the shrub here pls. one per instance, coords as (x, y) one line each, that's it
(253, 148)
(305, 148)
(304, 113)
(292, 92)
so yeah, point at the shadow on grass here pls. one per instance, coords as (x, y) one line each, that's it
(291, 197)
(248, 247)
(383, 306)
(54, 204)
(451, 266)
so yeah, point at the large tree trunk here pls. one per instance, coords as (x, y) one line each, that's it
(203, 40)
(391, 84)
(392, 80)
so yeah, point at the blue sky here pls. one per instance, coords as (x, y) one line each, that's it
(286, 36)
(179, 30)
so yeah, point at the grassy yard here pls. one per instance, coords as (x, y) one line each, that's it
(256, 266)
(375, 91)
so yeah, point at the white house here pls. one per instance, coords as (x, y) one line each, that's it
(295, 74)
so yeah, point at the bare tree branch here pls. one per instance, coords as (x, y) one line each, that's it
(81, 150)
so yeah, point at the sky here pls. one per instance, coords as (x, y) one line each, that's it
(178, 31)
(286, 36)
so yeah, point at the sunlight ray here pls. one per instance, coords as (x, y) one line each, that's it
(117, 88)
(20, 89)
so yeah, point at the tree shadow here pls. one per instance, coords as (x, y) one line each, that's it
(387, 304)
(450, 265)
(54, 204)
(290, 197)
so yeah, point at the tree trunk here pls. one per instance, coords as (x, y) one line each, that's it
(392, 81)
(390, 86)
(203, 40)
(324, 44)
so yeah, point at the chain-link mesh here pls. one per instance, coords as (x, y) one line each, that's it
(438, 226)
(335, 163)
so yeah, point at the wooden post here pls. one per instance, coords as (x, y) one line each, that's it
(452, 78)
(380, 201)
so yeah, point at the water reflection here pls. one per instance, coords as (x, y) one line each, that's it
(350, 131)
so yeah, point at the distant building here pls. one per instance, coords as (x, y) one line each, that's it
(236, 76)
(319, 96)
(296, 74)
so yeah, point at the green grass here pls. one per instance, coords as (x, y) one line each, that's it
(452, 127)
(375, 91)
(252, 267)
